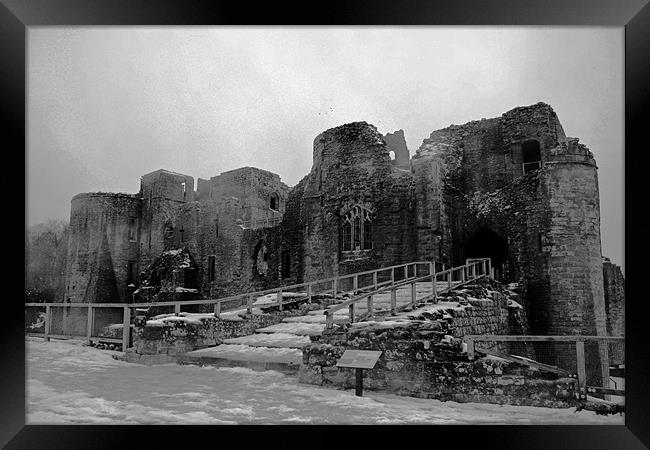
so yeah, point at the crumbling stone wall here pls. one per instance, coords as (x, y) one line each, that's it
(614, 286)
(254, 188)
(155, 342)
(470, 177)
(396, 142)
(614, 298)
(419, 360)
(352, 166)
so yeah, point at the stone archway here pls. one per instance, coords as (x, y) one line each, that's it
(486, 243)
(260, 260)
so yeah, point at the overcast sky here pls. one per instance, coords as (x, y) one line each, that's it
(109, 104)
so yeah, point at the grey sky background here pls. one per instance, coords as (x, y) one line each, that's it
(109, 104)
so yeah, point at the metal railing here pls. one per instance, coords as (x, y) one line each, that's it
(470, 271)
(569, 361)
(332, 287)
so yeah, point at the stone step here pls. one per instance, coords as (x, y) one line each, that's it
(299, 328)
(275, 340)
(286, 360)
(338, 318)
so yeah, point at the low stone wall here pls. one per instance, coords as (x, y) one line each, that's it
(421, 360)
(161, 340)
(422, 355)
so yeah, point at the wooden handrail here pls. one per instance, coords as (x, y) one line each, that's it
(329, 313)
(248, 296)
(224, 299)
(579, 340)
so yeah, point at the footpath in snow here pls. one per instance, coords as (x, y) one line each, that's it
(68, 382)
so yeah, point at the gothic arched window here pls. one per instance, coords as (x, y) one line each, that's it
(357, 229)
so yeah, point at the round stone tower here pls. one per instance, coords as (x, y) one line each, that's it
(103, 247)
(576, 300)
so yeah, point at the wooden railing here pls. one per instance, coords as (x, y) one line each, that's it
(333, 286)
(261, 223)
(472, 270)
(579, 340)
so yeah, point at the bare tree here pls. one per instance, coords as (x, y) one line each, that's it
(46, 246)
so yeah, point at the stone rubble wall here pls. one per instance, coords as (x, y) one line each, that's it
(156, 343)
(423, 356)
(419, 361)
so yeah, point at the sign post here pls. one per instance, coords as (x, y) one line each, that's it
(359, 360)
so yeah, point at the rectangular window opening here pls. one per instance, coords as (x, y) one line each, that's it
(212, 261)
(286, 264)
(130, 273)
(132, 228)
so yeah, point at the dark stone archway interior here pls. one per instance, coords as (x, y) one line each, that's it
(485, 243)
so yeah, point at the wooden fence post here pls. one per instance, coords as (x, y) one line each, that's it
(434, 285)
(48, 322)
(393, 301)
(374, 279)
(413, 294)
(309, 293)
(355, 283)
(370, 306)
(89, 325)
(582, 373)
(217, 309)
(470, 347)
(177, 308)
(351, 311)
(449, 278)
(334, 288)
(280, 299)
(329, 320)
(126, 328)
(249, 304)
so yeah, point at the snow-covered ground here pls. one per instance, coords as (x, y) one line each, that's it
(68, 382)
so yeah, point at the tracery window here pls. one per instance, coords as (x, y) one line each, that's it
(357, 229)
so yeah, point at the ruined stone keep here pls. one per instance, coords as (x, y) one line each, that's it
(513, 188)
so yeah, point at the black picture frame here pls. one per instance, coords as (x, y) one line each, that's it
(634, 15)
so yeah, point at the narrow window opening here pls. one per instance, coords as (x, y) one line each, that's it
(357, 233)
(212, 261)
(531, 156)
(286, 264)
(130, 273)
(216, 228)
(132, 228)
(184, 190)
(169, 231)
(182, 232)
(539, 242)
(367, 234)
(274, 202)
(347, 236)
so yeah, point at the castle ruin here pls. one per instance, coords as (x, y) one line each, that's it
(513, 188)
